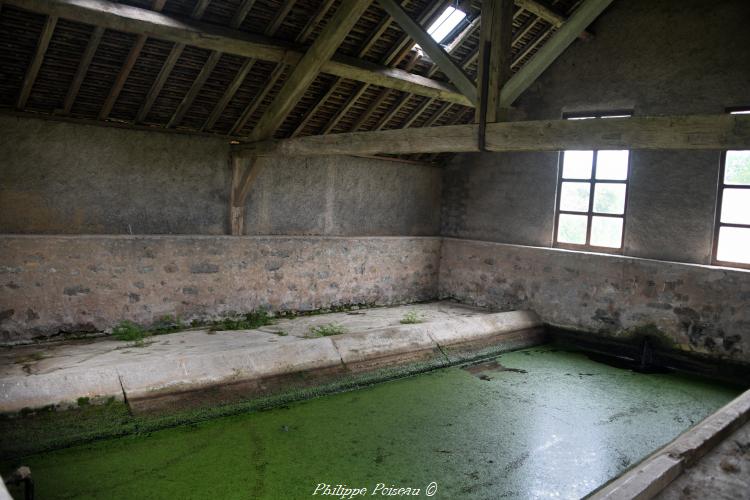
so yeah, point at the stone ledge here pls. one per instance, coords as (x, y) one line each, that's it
(257, 370)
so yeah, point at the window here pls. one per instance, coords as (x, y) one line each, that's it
(732, 239)
(591, 196)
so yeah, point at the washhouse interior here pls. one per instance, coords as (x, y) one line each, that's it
(284, 249)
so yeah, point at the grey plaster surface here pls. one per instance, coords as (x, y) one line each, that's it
(651, 57)
(68, 178)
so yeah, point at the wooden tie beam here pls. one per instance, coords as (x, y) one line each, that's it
(714, 132)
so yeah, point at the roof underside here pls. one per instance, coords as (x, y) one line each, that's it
(330, 104)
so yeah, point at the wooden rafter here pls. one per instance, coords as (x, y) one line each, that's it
(342, 21)
(36, 62)
(712, 132)
(210, 64)
(247, 66)
(83, 69)
(436, 52)
(170, 62)
(392, 58)
(460, 39)
(127, 67)
(277, 72)
(211, 37)
(375, 35)
(578, 21)
(547, 14)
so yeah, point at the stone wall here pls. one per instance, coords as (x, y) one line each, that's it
(651, 57)
(64, 178)
(56, 284)
(699, 308)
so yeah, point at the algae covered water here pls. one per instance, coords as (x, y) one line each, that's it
(536, 423)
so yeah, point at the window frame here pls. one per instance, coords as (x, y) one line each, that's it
(592, 181)
(721, 185)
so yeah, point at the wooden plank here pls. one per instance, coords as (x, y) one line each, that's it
(122, 77)
(169, 64)
(36, 62)
(713, 132)
(496, 36)
(436, 52)
(83, 68)
(130, 19)
(581, 18)
(342, 21)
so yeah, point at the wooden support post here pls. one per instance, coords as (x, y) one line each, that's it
(494, 68)
(244, 172)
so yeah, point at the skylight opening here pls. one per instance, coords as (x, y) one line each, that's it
(445, 24)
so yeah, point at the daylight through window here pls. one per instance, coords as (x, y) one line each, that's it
(591, 196)
(733, 214)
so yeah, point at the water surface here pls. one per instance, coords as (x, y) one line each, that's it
(536, 423)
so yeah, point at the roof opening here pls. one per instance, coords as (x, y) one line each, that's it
(445, 24)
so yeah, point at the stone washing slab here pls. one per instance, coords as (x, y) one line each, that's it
(172, 369)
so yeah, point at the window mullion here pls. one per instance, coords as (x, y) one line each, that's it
(592, 182)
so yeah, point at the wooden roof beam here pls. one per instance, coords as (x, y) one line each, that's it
(83, 69)
(436, 52)
(277, 72)
(548, 15)
(127, 67)
(581, 18)
(713, 132)
(212, 61)
(306, 70)
(171, 61)
(130, 19)
(36, 62)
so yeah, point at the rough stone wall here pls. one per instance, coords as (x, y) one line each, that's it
(698, 308)
(53, 284)
(63, 178)
(649, 56)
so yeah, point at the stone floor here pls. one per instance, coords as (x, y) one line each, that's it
(107, 352)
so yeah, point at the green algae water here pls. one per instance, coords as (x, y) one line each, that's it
(536, 423)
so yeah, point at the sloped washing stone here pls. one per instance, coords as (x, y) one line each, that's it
(58, 388)
(367, 350)
(243, 364)
(189, 373)
(477, 328)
